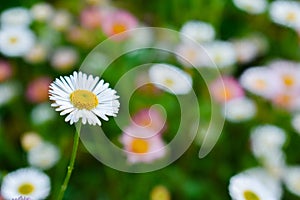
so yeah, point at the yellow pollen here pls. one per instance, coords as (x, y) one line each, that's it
(139, 146)
(169, 82)
(249, 195)
(84, 99)
(26, 188)
(288, 80)
(13, 40)
(227, 94)
(291, 16)
(119, 28)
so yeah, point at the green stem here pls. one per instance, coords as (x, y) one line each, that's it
(71, 164)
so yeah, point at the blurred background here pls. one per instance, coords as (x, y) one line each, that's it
(42, 40)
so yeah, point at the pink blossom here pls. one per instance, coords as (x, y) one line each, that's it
(118, 21)
(37, 90)
(90, 18)
(225, 89)
(5, 71)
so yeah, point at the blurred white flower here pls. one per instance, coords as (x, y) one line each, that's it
(42, 12)
(286, 13)
(274, 163)
(42, 113)
(15, 17)
(37, 54)
(64, 58)
(16, 41)
(84, 97)
(61, 20)
(190, 54)
(27, 182)
(8, 91)
(240, 109)
(267, 140)
(198, 31)
(43, 156)
(221, 54)
(261, 81)
(251, 6)
(170, 78)
(248, 48)
(291, 179)
(296, 122)
(140, 37)
(30, 140)
(250, 187)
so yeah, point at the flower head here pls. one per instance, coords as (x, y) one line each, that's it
(251, 6)
(240, 109)
(27, 182)
(198, 31)
(16, 17)
(83, 97)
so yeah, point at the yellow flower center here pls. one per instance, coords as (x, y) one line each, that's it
(288, 80)
(291, 16)
(169, 82)
(84, 99)
(139, 146)
(26, 188)
(249, 195)
(227, 94)
(119, 28)
(13, 40)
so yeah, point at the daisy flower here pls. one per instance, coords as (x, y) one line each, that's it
(37, 54)
(287, 100)
(190, 55)
(30, 140)
(41, 114)
(221, 54)
(240, 109)
(170, 78)
(61, 20)
(291, 179)
(91, 18)
(6, 71)
(225, 89)
(36, 91)
(83, 97)
(16, 17)
(27, 182)
(249, 187)
(141, 148)
(255, 80)
(118, 21)
(296, 122)
(197, 30)
(267, 139)
(64, 58)
(43, 156)
(16, 41)
(42, 12)
(251, 6)
(286, 13)
(8, 91)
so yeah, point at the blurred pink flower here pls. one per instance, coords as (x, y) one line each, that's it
(37, 90)
(91, 18)
(287, 100)
(5, 71)
(226, 88)
(118, 21)
(149, 118)
(141, 149)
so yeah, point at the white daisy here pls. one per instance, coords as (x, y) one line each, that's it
(170, 78)
(43, 156)
(251, 6)
(16, 41)
(8, 91)
(37, 54)
(27, 182)
(291, 178)
(286, 13)
(61, 20)
(30, 140)
(42, 11)
(267, 139)
(85, 97)
(221, 53)
(189, 54)
(19, 17)
(255, 80)
(296, 122)
(240, 109)
(64, 58)
(249, 187)
(198, 31)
